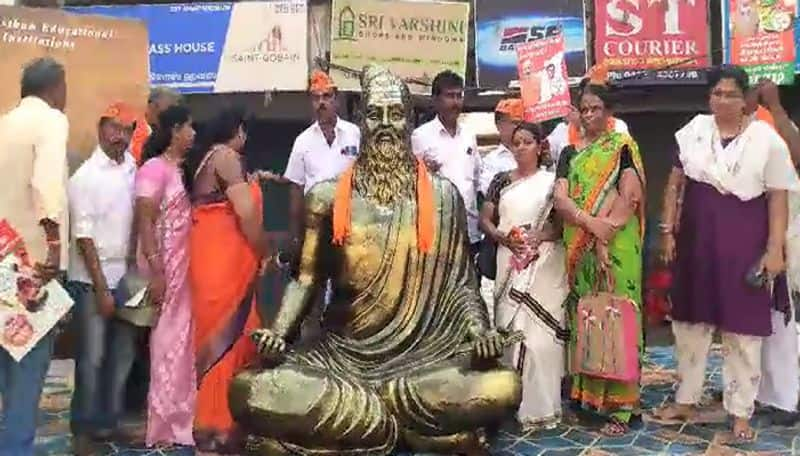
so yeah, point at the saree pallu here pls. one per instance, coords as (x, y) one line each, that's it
(533, 303)
(224, 271)
(593, 175)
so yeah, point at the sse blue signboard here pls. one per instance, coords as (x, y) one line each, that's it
(502, 24)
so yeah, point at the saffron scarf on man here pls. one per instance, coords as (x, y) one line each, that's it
(342, 206)
(139, 137)
(223, 271)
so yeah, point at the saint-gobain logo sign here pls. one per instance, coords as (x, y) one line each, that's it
(271, 48)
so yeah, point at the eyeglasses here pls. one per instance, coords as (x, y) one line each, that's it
(727, 94)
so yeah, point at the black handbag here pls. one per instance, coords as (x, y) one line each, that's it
(487, 258)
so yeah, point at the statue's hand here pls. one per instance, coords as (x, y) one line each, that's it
(488, 344)
(270, 345)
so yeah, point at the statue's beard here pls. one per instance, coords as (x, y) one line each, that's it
(385, 171)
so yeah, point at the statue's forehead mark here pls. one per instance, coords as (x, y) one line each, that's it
(385, 95)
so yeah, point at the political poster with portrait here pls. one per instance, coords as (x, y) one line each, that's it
(543, 79)
(501, 25)
(760, 37)
(652, 42)
(29, 309)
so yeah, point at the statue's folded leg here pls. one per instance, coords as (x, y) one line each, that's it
(445, 407)
(300, 408)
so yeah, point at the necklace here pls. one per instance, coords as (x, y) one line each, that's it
(730, 160)
(169, 157)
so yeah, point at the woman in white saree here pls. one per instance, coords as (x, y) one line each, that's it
(531, 283)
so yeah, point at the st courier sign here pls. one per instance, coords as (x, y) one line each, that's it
(654, 41)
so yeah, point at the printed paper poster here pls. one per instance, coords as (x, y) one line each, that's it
(760, 37)
(543, 79)
(28, 309)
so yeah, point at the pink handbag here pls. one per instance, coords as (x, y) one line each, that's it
(607, 344)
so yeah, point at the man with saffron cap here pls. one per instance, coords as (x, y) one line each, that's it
(407, 356)
(507, 115)
(322, 151)
(101, 207)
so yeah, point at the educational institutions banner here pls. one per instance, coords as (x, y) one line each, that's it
(653, 42)
(105, 60)
(760, 36)
(223, 47)
(501, 25)
(414, 39)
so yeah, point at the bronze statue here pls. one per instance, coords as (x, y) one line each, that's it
(407, 356)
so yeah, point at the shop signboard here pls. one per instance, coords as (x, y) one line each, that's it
(414, 39)
(652, 42)
(501, 25)
(223, 47)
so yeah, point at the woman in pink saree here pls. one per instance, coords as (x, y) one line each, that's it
(163, 213)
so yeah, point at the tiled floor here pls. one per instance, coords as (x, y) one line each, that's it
(571, 438)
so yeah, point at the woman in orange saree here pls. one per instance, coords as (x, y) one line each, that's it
(227, 245)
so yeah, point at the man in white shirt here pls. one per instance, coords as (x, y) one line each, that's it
(321, 152)
(507, 115)
(33, 199)
(553, 84)
(101, 198)
(449, 149)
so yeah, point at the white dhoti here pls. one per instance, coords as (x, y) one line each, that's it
(741, 366)
(780, 366)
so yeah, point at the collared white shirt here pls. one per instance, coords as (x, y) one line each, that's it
(460, 161)
(499, 160)
(101, 199)
(33, 160)
(313, 160)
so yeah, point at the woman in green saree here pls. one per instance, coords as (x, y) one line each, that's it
(599, 195)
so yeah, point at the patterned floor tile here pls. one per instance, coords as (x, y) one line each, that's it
(573, 437)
